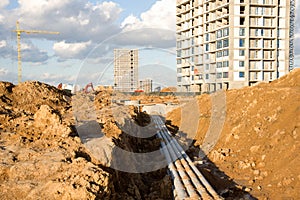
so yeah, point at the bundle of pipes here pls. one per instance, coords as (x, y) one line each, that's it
(188, 181)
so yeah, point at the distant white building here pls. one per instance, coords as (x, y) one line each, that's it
(146, 85)
(125, 70)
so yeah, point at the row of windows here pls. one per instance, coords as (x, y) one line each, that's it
(222, 64)
(222, 32)
(219, 75)
(222, 53)
(222, 43)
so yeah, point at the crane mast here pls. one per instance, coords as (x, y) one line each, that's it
(18, 32)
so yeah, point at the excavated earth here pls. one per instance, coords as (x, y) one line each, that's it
(258, 148)
(43, 156)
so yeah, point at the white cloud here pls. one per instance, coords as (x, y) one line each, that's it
(160, 15)
(69, 50)
(4, 3)
(3, 43)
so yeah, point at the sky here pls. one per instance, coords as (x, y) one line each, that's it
(89, 31)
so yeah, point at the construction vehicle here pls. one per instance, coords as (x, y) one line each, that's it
(19, 31)
(86, 89)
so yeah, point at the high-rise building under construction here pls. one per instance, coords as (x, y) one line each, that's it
(224, 44)
(125, 70)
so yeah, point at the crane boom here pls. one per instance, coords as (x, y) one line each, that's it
(19, 31)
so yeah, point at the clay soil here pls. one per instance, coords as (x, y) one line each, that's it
(43, 157)
(258, 149)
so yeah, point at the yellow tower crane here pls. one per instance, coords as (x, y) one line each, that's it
(19, 31)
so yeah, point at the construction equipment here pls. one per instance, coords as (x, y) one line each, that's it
(90, 85)
(19, 31)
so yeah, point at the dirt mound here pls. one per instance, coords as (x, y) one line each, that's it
(40, 153)
(43, 157)
(259, 143)
(169, 89)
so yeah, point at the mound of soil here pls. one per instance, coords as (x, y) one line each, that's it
(259, 142)
(40, 153)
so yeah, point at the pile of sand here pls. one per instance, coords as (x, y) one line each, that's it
(259, 142)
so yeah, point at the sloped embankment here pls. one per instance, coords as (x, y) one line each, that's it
(259, 143)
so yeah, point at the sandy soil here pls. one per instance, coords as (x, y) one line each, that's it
(259, 143)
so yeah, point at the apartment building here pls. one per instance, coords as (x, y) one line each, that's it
(125, 70)
(224, 44)
(146, 85)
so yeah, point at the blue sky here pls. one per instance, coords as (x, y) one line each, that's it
(89, 31)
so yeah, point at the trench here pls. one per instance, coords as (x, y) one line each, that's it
(151, 185)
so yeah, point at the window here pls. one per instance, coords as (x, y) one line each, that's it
(242, 74)
(206, 36)
(219, 64)
(207, 56)
(242, 31)
(179, 70)
(207, 66)
(206, 76)
(192, 77)
(219, 75)
(225, 63)
(226, 32)
(192, 68)
(241, 63)
(225, 43)
(219, 54)
(178, 79)
(179, 53)
(242, 10)
(242, 21)
(242, 52)
(225, 74)
(242, 42)
(226, 52)
(219, 33)
(206, 47)
(179, 61)
(219, 44)
(256, 32)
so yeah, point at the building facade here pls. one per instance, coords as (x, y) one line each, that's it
(125, 70)
(146, 85)
(224, 44)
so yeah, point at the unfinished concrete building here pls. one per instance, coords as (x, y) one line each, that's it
(125, 70)
(224, 44)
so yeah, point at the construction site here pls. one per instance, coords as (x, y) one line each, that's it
(204, 139)
(51, 148)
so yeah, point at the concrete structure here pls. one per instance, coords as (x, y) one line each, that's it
(126, 70)
(224, 44)
(146, 85)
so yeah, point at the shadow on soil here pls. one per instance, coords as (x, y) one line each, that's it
(223, 184)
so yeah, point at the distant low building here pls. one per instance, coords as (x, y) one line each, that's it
(146, 85)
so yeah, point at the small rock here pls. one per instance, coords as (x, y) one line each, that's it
(256, 172)
(254, 148)
(259, 187)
